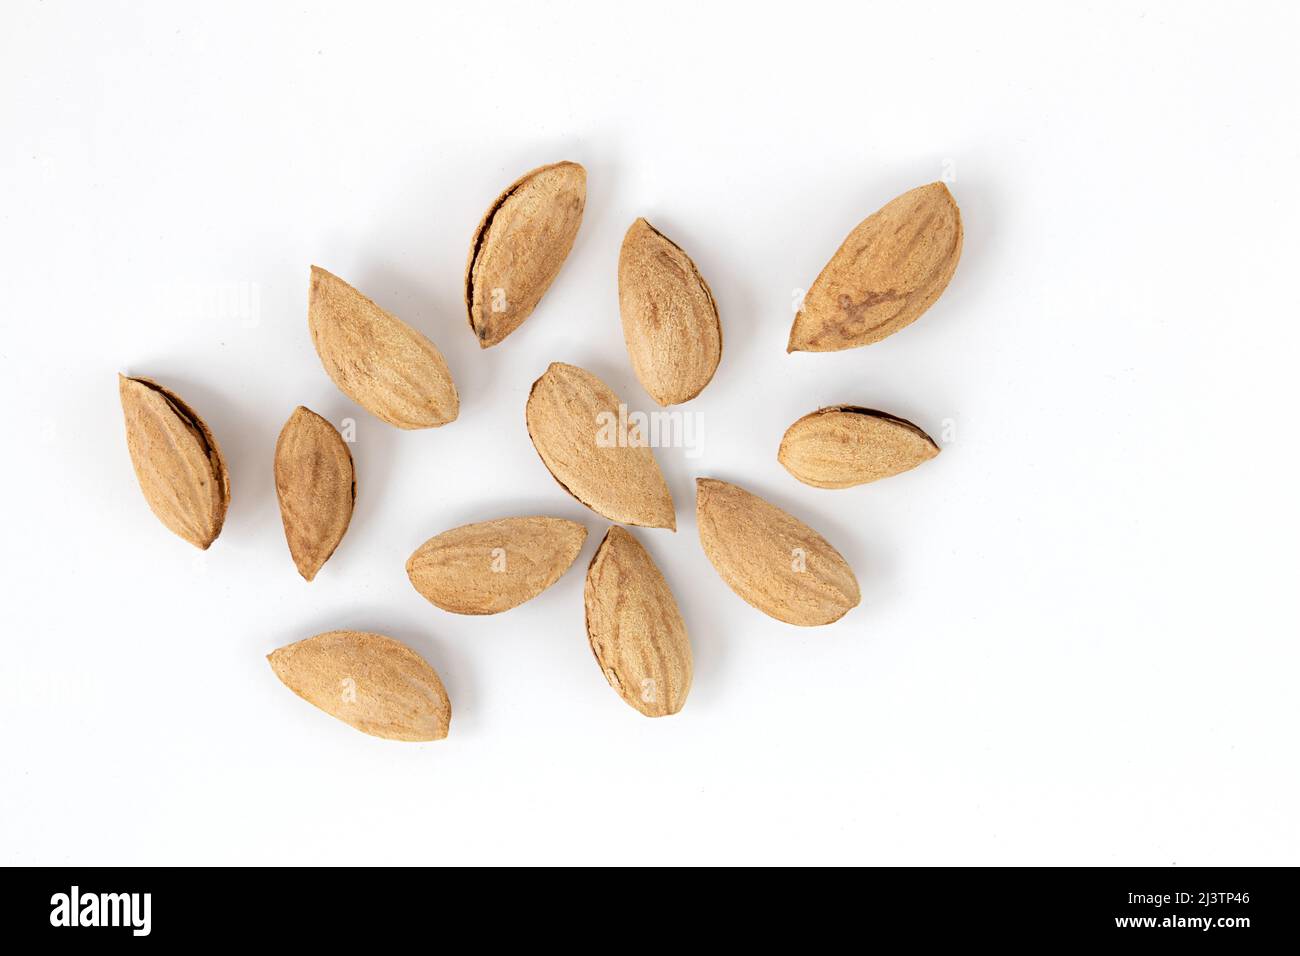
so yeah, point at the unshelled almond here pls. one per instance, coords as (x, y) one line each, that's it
(492, 566)
(771, 558)
(844, 445)
(376, 359)
(634, 627)
(316, 486)
(670, 321)
(580, 430)
(177, 461)
(519, 247)
(890, 269)
(372, 682)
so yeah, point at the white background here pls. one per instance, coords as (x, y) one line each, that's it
(1078, 635)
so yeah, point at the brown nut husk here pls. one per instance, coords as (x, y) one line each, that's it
(316, 485)
(770, 558)
(177, 461)
(575, 424)
(372, 682)
(492, 566)
(846, 445)
(890, 269)
(670, 321)
(634, 627)
(376, 359)
(519, 247)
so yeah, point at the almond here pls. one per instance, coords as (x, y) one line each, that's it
(519, 247)
(889, 270)
(670, 321)
(844, 445)
(177, 461)
(317, 487)
(580, 429)
(635, 628)
(492, 566)
(376, 359)
(772, 559)
(378, 685)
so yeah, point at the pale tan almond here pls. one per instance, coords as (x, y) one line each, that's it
(890, 269)
(177, 461)
(372, 682)
(376, 359)
(492, 566)
(771, 558)
(317, 487)
(635, 628)
(670, 321)
(519, 247)
(844, 445)
(574, 422)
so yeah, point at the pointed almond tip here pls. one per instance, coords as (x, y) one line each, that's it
(794, 343)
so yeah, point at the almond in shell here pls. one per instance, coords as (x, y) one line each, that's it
(317, 487)
(844, 445)
(372, 682)
(492, 566)
(771, 558)
(519, 247)
(890, 269)
(177, 461)
(581, 431)
(376, 359)
(670, 321)
(634, 627)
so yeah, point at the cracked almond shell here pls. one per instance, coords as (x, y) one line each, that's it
(573, 420)
(889, 270)
(492, 566)
(376, 359)
(772, 559)
(316, 486)
(670, 321)
(844, 445)
(372, 682)
(519, 247)
(177, 461)
(634, 627)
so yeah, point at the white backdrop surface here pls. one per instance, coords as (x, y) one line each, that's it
(1078, 635)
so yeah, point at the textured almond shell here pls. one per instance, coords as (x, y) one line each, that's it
(519, 247)
(889, 270)
(634, 627)
(372, 682)
(492, 566)
(622, 484)
(844, 445)
(316, 485)
(177, 461)
(376, 359)
(755, 547)
(670, 321)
